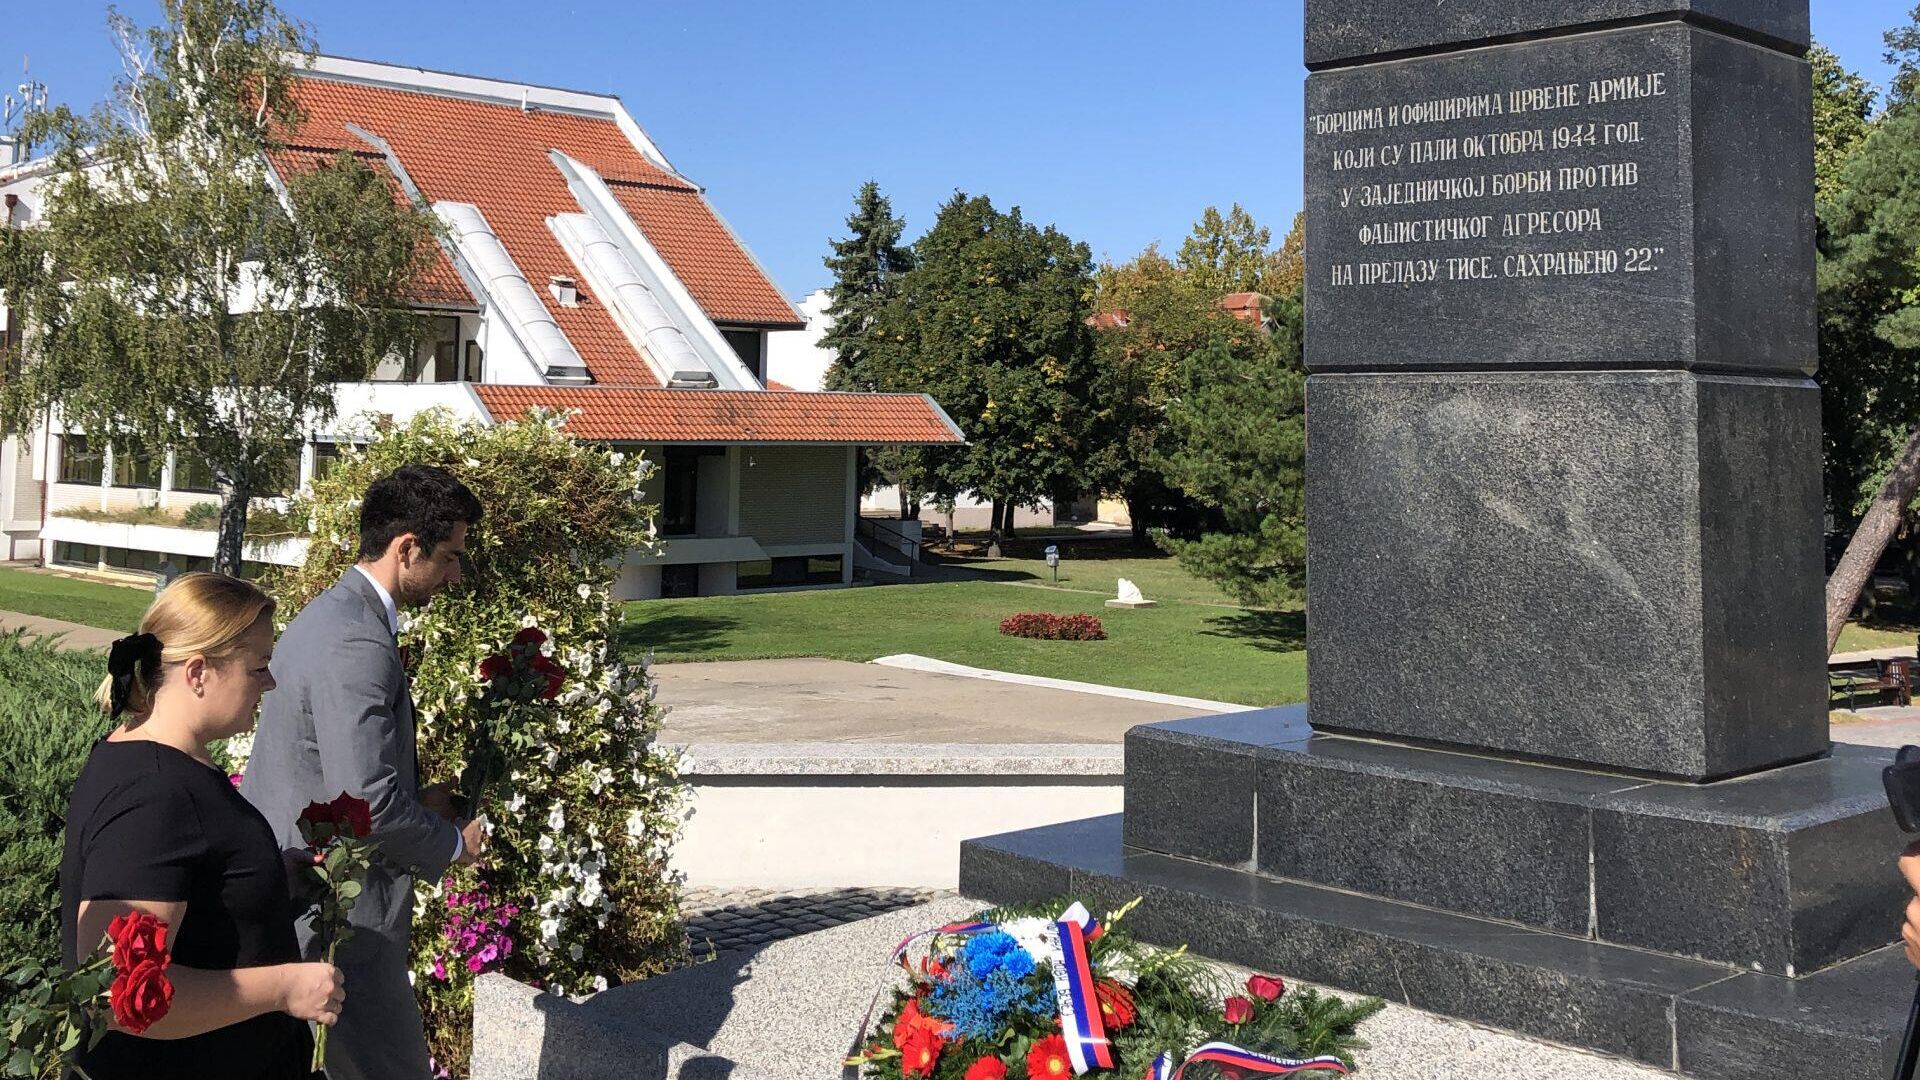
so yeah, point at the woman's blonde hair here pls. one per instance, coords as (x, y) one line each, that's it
(197, 615)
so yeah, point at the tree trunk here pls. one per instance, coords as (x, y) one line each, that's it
(993, 517)
(1137, 518)
(906, 500)
(1011, 507)
(229, 549)
(1870, 539)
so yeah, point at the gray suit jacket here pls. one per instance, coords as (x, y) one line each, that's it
(341, 719)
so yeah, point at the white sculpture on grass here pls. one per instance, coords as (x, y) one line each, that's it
(1129, 597)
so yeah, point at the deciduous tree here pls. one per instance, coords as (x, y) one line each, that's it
(178, 293)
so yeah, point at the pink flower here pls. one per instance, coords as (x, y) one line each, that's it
(234, 779)
(440, 969)
(1238, 1010)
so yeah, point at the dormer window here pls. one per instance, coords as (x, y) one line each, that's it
(564, 290)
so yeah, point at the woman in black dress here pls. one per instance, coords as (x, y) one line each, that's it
(155, 826)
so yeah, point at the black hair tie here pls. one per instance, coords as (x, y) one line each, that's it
(133, 654)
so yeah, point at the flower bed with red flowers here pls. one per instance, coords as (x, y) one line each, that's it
(1050, 993)
(1046, 627)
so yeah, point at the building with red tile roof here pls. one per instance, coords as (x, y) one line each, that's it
(579, 272)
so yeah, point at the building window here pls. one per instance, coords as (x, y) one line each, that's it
(679, 580)
(80, 464)
(475, 367)
(789, 572)
(136, 468)
(442, 344)
(326, 455)
(67, 553)
(192, 472)
(746, 345)
(680, 490)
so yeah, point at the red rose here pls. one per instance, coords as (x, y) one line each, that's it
(1239, 1010)
(353, 817)
(495, 666)
(1116, 1004)
(987, 1068)
(141, 996)
(137, 937)
(532, 635)
(319, 821)
(1048, 1060)
(556, 675)
(1266, 987)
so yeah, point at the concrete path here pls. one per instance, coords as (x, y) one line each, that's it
(72, 635)
(762, 701)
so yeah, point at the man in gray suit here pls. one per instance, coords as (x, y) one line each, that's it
(341, 719)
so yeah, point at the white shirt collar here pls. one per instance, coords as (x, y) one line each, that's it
(386, 599)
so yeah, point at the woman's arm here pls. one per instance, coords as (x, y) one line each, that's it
(206, 1001)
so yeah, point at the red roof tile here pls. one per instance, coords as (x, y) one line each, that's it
(495, 157)
(652, 415)
(440, 283)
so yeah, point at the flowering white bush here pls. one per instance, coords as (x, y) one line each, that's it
(522, 696)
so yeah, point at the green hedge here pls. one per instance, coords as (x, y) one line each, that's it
(48, 722)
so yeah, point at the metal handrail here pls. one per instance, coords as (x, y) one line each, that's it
(874, 527)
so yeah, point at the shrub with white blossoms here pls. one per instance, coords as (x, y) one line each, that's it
(524, 702)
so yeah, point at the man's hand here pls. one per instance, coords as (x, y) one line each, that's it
(439, 799)
(298, 862)
(472, 842)
(1910, 933)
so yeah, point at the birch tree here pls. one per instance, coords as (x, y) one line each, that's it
(191, 283)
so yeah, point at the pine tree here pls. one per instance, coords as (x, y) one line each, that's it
(866, 267)
(1236, 442)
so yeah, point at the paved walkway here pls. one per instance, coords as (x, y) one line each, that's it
(722, 920)
(72, 635)
(779, 701)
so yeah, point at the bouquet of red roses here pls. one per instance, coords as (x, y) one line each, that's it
(335, 832)
(54, 1013)
(522, 677)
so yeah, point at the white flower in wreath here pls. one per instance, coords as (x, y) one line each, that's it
(515, 804)
(528, 622)
(557, 818)
(550, 932)
(1036, 935)
(545, 845)
(584, 590)
(636, 822)
(599, 984)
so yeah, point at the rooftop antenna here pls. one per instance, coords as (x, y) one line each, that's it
(32, 97)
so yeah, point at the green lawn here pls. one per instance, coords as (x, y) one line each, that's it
(89, 603)
(1097, 566)
(1253, 658)
(1856, 638)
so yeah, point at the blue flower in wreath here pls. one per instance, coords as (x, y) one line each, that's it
(994, 951)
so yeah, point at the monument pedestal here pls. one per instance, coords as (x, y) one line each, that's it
(1731, 930)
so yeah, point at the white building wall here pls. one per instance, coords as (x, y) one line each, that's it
(794, 357)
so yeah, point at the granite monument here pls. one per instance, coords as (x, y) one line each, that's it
(1566, 766)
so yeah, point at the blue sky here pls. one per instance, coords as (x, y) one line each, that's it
(1117, 121)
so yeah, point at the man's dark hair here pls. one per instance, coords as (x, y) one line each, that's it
(424, 500)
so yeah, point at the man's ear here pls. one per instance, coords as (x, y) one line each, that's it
(406, 547)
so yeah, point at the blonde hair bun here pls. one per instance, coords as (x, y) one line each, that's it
(198, 615)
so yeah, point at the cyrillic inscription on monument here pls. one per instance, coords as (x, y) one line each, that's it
(1509, 198)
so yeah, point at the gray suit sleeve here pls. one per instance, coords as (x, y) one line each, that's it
(359, 741)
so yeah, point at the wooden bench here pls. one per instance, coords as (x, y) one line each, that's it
(1872, 678)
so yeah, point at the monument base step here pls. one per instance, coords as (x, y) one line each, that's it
(1702, 1019)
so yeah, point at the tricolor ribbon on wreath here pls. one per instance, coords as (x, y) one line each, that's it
(1246, 1061)
(1087, 1043)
